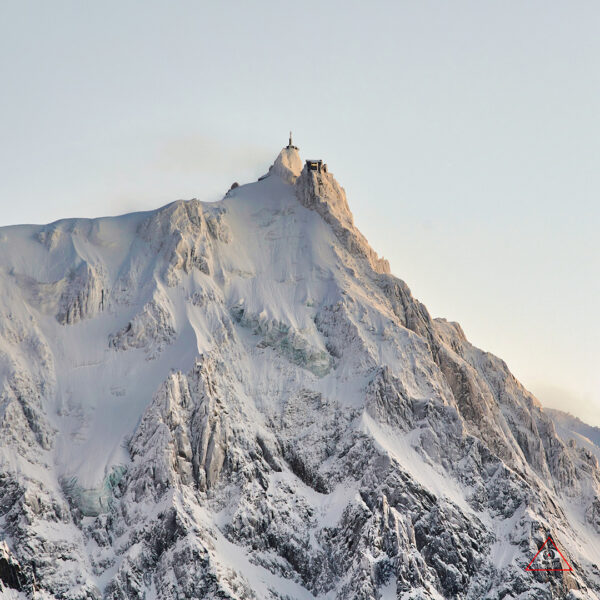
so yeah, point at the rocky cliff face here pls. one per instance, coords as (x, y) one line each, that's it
(238, 400)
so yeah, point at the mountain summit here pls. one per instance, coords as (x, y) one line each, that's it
(238, 400)
(288, 164)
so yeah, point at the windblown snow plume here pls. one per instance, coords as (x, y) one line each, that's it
(238, 400)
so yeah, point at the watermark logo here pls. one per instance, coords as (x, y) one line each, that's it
(549, 558)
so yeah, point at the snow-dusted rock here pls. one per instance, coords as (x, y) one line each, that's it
(151, 329)
(320, 191)
(10, 571)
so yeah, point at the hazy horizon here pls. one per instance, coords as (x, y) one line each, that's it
(466, 136)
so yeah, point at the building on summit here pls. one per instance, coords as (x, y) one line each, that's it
(312, 165)
(316, 165)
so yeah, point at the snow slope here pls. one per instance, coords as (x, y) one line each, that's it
(570, 428)
(238, 400)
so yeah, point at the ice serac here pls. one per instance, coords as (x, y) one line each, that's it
(238, 400)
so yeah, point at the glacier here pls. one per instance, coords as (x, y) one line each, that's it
(238, 400)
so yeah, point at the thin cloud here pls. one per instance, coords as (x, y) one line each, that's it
(557, 397)
(204, 154)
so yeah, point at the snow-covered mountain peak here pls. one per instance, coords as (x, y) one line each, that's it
(238, 400)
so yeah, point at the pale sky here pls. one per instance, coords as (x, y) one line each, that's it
(466, 134)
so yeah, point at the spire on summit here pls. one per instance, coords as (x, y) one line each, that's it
(290, 145)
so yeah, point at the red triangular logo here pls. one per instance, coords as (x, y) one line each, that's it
(549, 558)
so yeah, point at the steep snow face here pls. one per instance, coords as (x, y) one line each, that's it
(238, 400)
